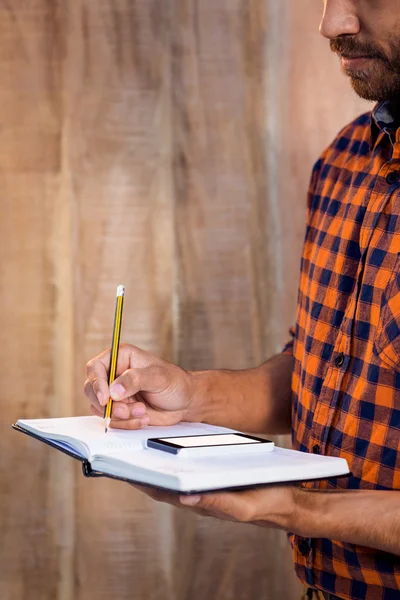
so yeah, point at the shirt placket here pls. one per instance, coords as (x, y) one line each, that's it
(387, 181)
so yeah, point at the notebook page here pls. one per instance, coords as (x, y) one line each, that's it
(220, 471)
(116, 440)
(89, 431)
(279, 458)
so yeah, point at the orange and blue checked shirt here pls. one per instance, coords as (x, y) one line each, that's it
(346, 381)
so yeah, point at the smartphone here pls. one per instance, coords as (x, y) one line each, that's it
(216, 444)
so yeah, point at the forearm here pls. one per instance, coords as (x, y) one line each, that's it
(254, 400)
(366, 518)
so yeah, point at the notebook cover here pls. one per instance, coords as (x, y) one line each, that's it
(89, 472)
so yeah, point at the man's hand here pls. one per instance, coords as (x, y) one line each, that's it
(148, 390)
(268, 507)
(368, 518)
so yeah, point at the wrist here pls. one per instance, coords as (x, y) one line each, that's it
(210, 397)
(296, 518)
(310, 509)
(198, 391)
(277, 508)
(295, 510)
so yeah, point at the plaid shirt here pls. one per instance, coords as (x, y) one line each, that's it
(346, 381)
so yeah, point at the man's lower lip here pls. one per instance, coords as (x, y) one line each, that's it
(354, 64)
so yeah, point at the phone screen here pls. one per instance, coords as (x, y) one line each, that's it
(202, 441)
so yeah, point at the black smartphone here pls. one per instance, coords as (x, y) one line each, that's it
(215, 444)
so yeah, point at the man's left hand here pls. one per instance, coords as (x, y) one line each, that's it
(268, 507)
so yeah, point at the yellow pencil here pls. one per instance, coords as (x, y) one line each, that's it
(114, 350)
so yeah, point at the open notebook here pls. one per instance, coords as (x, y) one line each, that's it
(122, 455)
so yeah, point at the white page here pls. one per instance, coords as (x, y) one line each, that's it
(90, 432)
(278, 458)
(220, 471)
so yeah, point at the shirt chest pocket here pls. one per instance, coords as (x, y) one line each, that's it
(387, 340)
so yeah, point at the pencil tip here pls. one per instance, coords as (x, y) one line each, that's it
(106, 429)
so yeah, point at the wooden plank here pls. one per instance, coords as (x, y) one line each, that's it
(226, 272)
(220, 182)
(29, 154)
(120, 160)
(27, 302)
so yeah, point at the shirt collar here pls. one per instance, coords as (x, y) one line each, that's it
(383, 123)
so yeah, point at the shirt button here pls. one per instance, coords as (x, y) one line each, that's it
(393, 177)
(303, 547)
(316, 449)
(339, 360)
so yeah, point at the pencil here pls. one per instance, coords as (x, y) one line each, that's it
(114, 350)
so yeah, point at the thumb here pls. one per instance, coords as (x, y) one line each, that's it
(132, 381)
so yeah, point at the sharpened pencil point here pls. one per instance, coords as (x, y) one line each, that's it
(107, 422)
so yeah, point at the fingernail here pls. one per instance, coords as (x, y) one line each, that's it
(120, 412)
(189, 500)
(117, 391)
(145, 421)
(138, 411)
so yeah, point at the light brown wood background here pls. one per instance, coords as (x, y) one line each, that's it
(165, 144)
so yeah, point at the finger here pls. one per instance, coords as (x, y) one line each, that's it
(162, 418)
(125, 411)
(120, 412)
(98, 367)
(91, 396)
(130, 424)
(97, 376)
(150, 379)
(99, 412)
(129, 356)
(222, 504)
(158, 495)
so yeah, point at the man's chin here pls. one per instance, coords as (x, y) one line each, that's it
(365, 90)
(369, 89)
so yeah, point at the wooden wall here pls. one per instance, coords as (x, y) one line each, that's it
(165, 144)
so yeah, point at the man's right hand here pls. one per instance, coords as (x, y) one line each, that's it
(147, 390)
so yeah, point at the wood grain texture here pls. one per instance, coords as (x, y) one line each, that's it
(30, 128)
(167, 145)
(121, 177)
(309, 100)
(220, 182)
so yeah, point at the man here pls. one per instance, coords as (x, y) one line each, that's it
(337, 385)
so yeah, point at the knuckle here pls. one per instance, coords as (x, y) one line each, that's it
(129, 377)
(89, 365)
(86, 387)
(94, 382)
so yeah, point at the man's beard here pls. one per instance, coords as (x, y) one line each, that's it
(378, 81)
